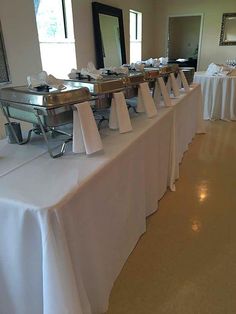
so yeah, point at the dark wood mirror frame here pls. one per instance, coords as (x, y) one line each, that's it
(107, 10)
(226, 17)
(4, 69)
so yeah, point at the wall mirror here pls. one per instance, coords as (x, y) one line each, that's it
(108, 35)
(228, 29)
(4, 69)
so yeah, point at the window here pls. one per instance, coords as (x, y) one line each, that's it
(4, 70)
(56, 36)
(135, 36)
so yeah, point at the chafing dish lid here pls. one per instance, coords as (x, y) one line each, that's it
(105, 85)
(53, 98)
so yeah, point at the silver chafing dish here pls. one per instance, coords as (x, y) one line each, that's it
(152, 73)
(110, 83)
(132, 81)
(102, 88)
(189, 73)
(46, 108)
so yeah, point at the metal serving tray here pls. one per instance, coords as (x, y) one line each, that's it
(102, 89)
(53, 107)
(49, 99)
(109, 84)
(132, 81)
(151, 73)
(46, 110)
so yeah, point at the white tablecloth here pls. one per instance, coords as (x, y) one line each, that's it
(219, 93)
(69, 224)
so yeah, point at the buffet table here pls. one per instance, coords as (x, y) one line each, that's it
(219, 94)
(69, 224)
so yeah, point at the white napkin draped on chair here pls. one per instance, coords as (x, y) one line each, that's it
(145, 101)
(119, 115)
(86, 137)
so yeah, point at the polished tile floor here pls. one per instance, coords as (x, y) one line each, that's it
(186, 261)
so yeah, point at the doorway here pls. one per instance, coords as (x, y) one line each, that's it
(184, 39)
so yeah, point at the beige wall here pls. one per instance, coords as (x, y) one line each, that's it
(20, 36)
(212, 14)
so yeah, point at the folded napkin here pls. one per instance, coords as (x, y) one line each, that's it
(156, 63)
(174, 85)
(119, 70)
(152, 62)
(161, 90)
(42, 78)
(73, 74)
(163, 60)
(119, 114)
(86, 137)
(184, 81)
(36, 80)
(92, 71)
(213, 69)
(54, 82)
(232, 72)
(145, 101)
(138, 66)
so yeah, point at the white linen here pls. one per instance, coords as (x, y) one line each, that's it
(145, 101)
(190, 106)
(9, 160)
(219, 96)
(83, 212)
(119, 115)
(86, 137)
(69, 224)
